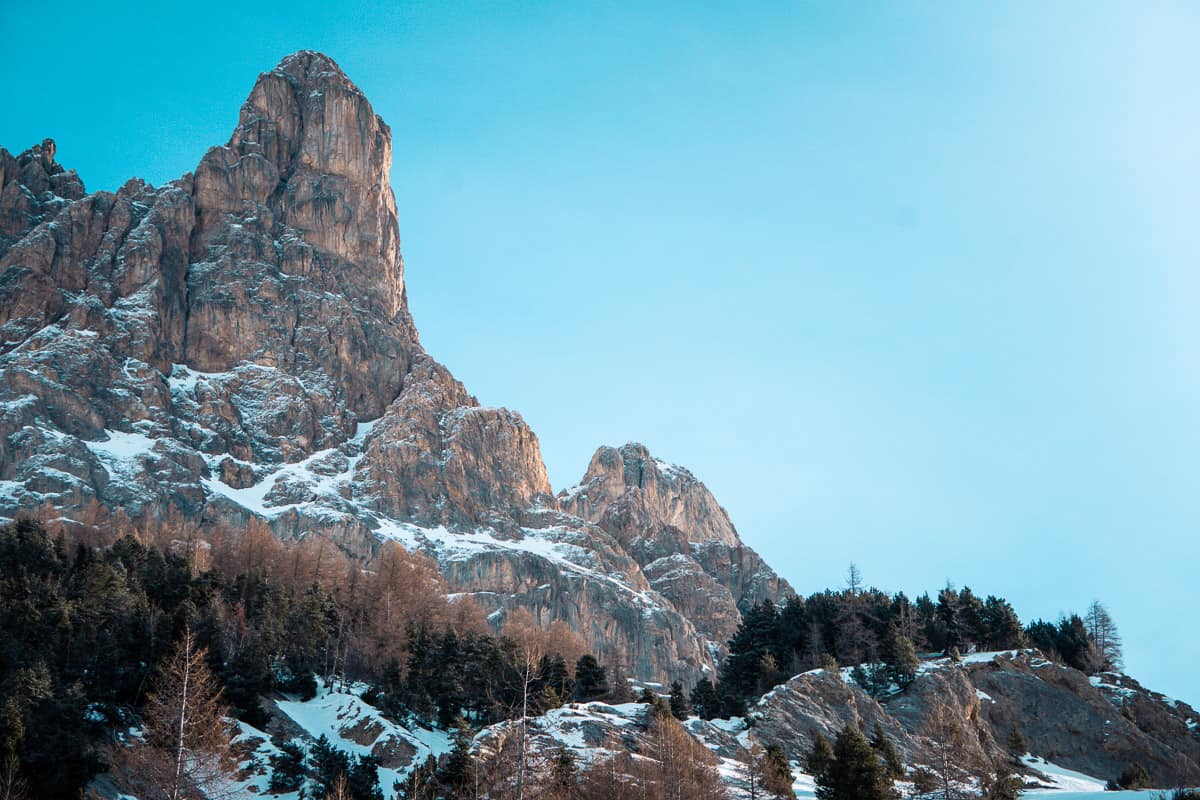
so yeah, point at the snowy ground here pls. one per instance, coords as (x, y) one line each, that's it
(354, 726)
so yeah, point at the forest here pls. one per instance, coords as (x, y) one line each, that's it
(103, 626)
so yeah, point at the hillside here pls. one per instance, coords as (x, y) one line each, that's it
(218, 423)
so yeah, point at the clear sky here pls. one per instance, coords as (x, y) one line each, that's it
(909, 284)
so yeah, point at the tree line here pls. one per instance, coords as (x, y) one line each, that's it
(880, 635)
(87, 626)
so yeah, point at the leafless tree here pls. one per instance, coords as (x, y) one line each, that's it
(185, 748)
(1103, 633)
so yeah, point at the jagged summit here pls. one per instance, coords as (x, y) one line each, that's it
(237, 344)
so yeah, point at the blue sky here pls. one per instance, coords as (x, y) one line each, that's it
(912, 285)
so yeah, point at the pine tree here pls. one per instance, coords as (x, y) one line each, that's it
(948, 617)
(855, 772)
(458, 773)
(901, 657)
(1016, 742)
(591, 682)
(185, 749)
(820, 757)
(362, 779)
(1133, 776)
(678, 701)
(777, 773)
(705, 701)
(619, 690)
(287, 768)
(888, 752)
(1004, 631)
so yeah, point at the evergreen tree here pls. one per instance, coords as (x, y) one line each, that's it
(777, 773)
(755, 637)
(362, 779)
(458, 773)
(948, 617)
(855, 772)
(590, 680)
(820, 757)
(1133, 776)
(287, 767)
(1003, 784)
(1075, 646)
(887, 751)
(619, 690)
(1016, 742)
(555, 676)
(900, 657)
(678, 701)
(1004, 630)
(705, 700)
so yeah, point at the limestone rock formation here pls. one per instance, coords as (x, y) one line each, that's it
(679, 534)
(237, 343)
(1096, 726)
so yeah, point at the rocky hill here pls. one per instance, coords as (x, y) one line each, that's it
(237, 343)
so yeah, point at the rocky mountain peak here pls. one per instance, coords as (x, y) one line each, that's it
(237, 344)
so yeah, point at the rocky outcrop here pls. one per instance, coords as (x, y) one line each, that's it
(237, 343)
(682, 537)
(822, 702)
(1096, 726)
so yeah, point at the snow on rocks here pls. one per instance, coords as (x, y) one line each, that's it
(354, 726)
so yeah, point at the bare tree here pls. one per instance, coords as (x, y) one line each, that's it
(955, 761)
(12, 785)
(1104, 636)
(185, 748)
(531, 643)
(854, 582)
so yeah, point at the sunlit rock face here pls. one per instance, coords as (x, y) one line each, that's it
(237, 343)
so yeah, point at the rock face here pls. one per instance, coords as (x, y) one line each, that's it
(1095, 726)
(238, 342)
(679, 534)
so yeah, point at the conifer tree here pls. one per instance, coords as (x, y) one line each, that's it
(855, 772)
(678, 701)
(820, 757)
(287, 768)
(619, 690)
(777, 773)
(887, 751)
(1016, 742)
(458, 773)
(901, 657)
(705, 701)
(591, 683)
(184, 752)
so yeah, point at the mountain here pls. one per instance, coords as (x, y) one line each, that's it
(238, 343)
(236, 346)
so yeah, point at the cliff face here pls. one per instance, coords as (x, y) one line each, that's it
(1095, 726)
(237, 342)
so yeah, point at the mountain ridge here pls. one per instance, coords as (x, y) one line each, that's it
(237, 343)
